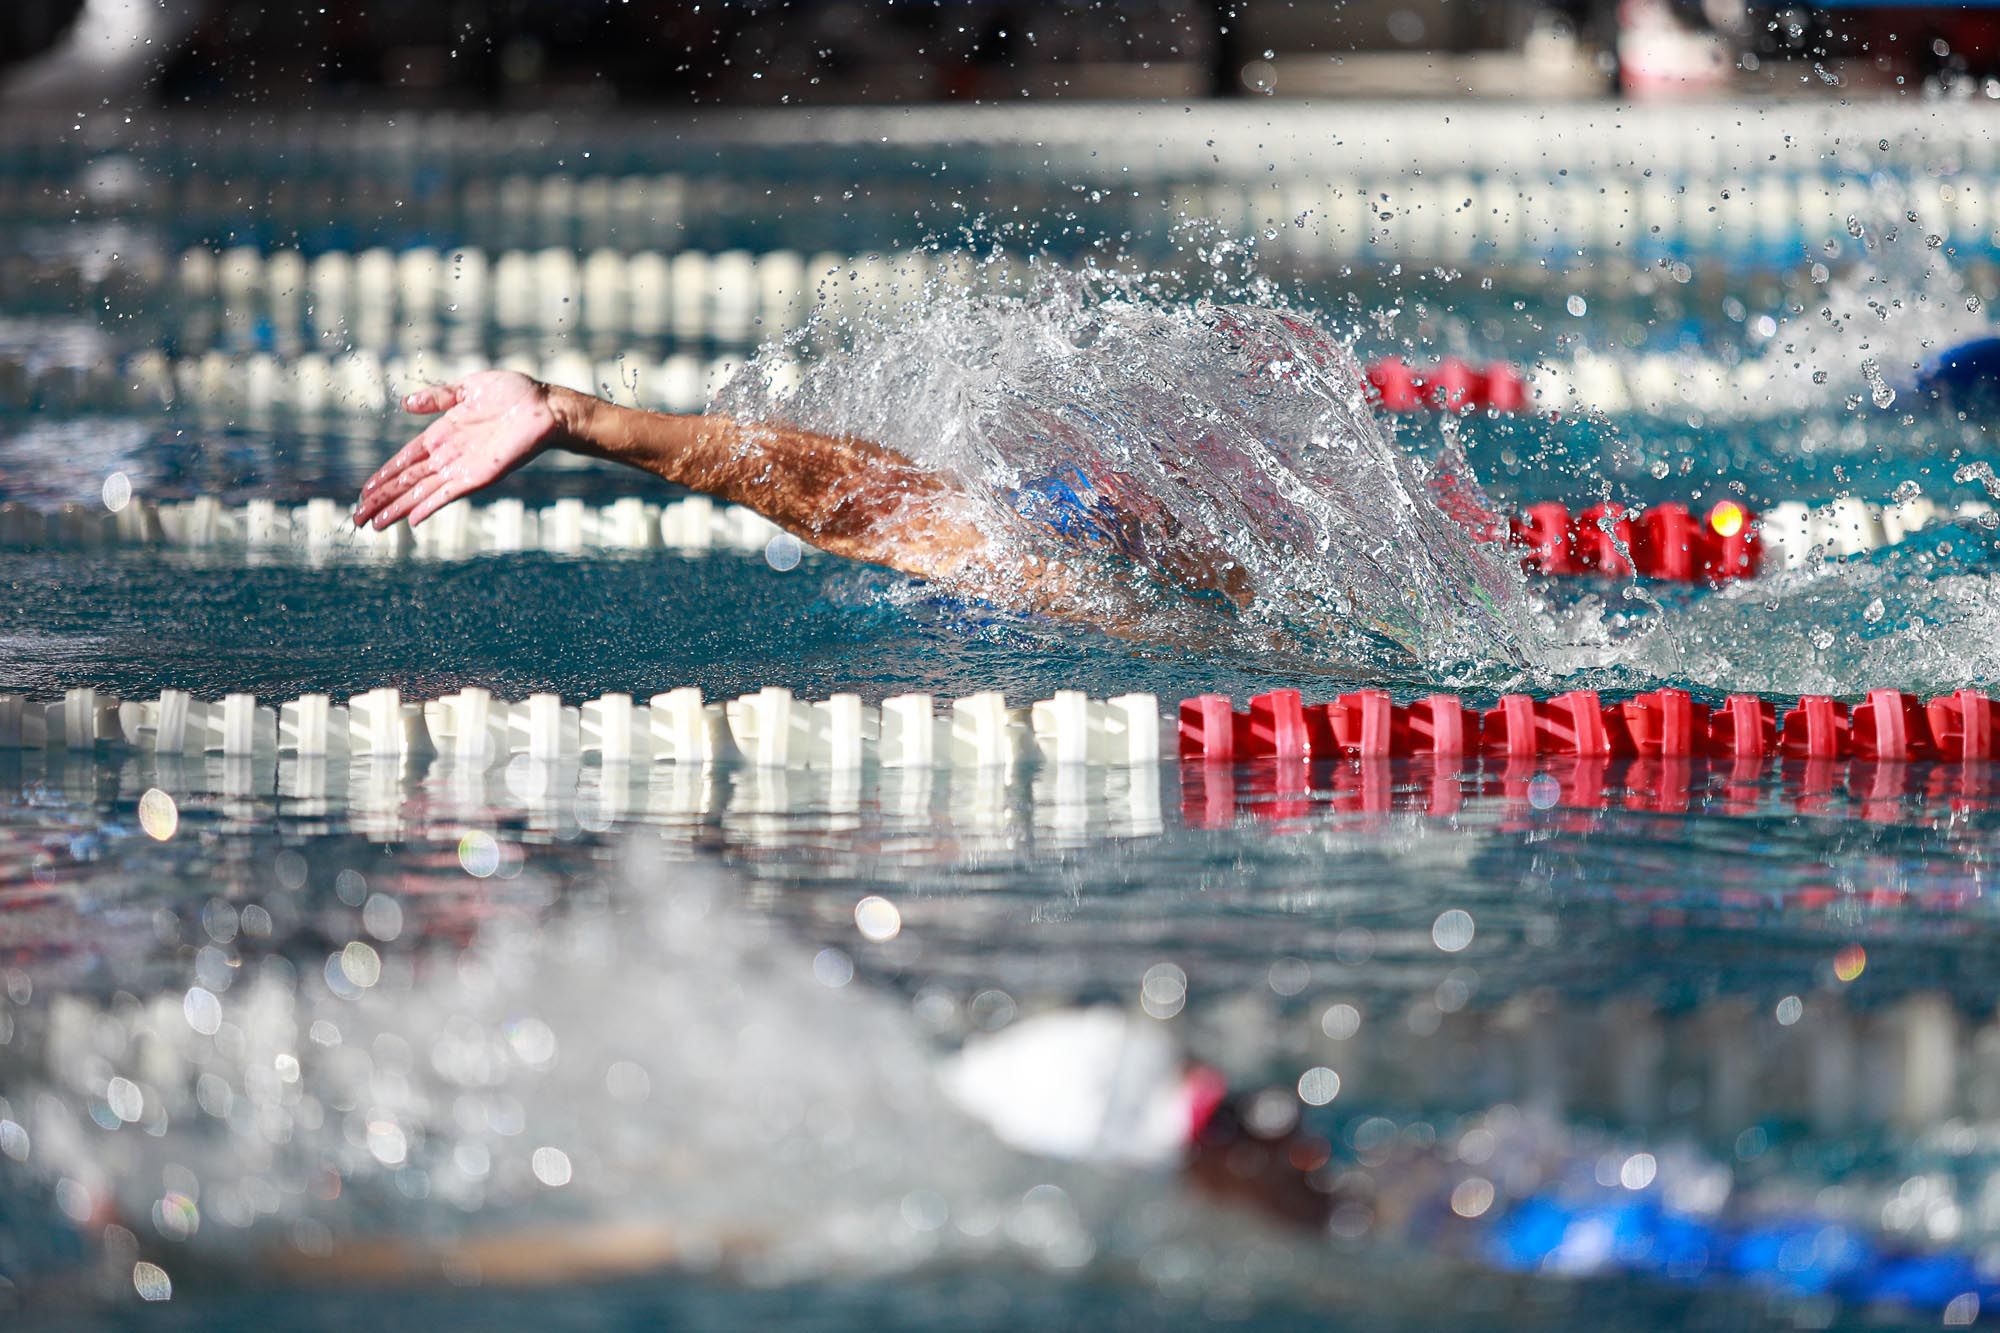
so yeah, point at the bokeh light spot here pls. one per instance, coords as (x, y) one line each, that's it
(151, 1282)
(1472, 1196)
(877, 919)
(783, 552)
(1453, 930)
(1318, 1086)
(158, 815)
(479, 854)
(1163, 990)
(551, 1167)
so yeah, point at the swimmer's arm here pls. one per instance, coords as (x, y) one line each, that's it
(843, 494)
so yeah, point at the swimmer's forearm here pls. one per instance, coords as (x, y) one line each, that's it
(843, 494)
(657, 442)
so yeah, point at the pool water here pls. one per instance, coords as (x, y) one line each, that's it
(1558, 1042)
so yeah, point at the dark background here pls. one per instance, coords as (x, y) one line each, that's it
(508, 53)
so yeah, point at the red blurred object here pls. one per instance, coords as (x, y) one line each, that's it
(1665, 543)
(1816, 729)
(1574, 723)
(1810, 786)
(1509, 727)
(1277, 788)
(1730, 546)
(1597, 538)
(1364, 725)
(1208, 795)
(1505, 390)
(1451, 385)
(1546, 531)
(1275, 728)
(1395, 385)
(1454, 386)
(1660, 782)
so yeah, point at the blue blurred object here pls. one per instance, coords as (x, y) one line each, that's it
(1922, 1280)
(1967, 369)
(1528, 1234)
(1802, 1254)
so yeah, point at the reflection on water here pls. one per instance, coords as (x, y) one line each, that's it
(275, 1012)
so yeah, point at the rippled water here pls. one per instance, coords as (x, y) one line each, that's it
(1556, 1042)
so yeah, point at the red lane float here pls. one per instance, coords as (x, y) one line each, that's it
(1665, 541)
(1888, 725)
(1962, 725)
(1451, 385)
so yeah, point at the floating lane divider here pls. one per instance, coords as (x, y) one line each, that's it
(1643, 383)
(1887, 725)
(773, 728)
(1665, 541)
(769, 729)
(320, 528)
(364, 382)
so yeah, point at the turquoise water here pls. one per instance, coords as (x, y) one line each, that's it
(1613, 1042)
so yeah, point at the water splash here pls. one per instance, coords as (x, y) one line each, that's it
(1892, 298)
(1239, 490)
(675, 1078)
(1923, 616)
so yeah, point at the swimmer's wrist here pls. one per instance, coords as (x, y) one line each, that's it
(573, 415)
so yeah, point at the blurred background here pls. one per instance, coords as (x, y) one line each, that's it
(522, 53)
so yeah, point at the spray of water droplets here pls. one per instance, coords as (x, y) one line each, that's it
(1232, 485)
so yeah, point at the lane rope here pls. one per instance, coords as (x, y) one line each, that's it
(367, 381)
(1667, 542)
(773, 728)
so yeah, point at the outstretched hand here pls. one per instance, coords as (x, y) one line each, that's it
(493, 422)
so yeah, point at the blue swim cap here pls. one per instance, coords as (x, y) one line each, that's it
(1971, 369)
